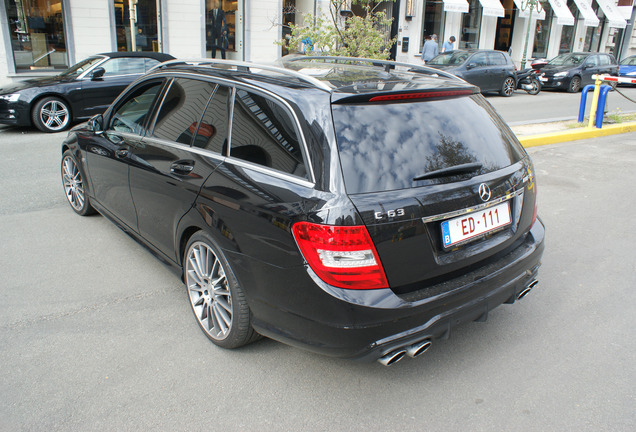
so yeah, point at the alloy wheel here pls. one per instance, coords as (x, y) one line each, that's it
(209, 291)
(73, 183)
(508, 87)
(54, 115)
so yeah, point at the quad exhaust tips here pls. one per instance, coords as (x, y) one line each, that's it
(412, 351)
(527, 289)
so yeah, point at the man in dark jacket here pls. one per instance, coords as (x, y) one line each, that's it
(216, 29)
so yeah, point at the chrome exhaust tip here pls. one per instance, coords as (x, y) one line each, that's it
(392, 357)
(527, 289)
(418, 348)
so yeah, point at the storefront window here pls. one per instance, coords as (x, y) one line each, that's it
(567, 33)
(138, 18)
(471, 23)
(433, 20)
(37, 32)
(220, 27)
(593, 34)
(505, 26)
(542, 33)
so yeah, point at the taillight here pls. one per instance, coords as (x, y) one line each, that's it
(342, 256)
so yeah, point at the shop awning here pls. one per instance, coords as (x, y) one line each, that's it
(612, 13)
(526, 13)
(456, 6)
(492, 8)
(562, 11)
(585, 7)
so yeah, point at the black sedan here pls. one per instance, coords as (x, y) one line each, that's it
(85, 89)
(572, 71)
(490, 70)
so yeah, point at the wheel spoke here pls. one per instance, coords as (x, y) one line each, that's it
(221, 318)
(224, 305)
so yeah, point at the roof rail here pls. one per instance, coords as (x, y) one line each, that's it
(387, 64)
(245, 67)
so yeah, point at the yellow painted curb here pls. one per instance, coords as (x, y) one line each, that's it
(575, 134)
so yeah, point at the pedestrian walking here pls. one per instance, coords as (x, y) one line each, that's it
(449, 44)
(430, 48)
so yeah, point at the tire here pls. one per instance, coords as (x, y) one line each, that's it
(51, 114)
(575, 84)
(507, 87)
(217, 300)
(74, 185)
(536, 87)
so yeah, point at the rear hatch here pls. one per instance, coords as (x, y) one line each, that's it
(442, 184)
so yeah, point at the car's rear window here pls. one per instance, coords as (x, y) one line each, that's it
(385, 146)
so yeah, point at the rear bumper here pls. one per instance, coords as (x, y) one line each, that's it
(369, 324)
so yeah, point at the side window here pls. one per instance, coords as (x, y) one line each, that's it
(131, 114)
(181, 110)
(591, 61)
(496, 59)
(124, 66)
(479, 59)
(604, 60)
(264, 133)
(212, 132)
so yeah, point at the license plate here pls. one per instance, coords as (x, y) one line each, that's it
(472, 225)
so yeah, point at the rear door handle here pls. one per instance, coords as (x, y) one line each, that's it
(183, 167)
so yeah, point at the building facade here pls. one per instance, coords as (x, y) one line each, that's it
(40, 37)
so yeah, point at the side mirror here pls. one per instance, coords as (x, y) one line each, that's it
(96, 123)
(587, 65)
(97, 73)
(471, 65)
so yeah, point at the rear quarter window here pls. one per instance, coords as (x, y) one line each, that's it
(384, 146)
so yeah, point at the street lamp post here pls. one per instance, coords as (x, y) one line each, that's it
(528, 5)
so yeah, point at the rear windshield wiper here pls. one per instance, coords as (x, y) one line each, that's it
(447, 172)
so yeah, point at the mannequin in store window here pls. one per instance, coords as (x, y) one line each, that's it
(216, 28)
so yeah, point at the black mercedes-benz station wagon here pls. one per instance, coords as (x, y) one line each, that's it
(358, 209)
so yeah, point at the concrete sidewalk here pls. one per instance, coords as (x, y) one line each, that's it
(531, 135)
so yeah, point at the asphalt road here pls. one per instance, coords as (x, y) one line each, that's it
(96, 334)
(550, 105)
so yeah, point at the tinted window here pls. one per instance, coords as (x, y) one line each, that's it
(131, 114)
(495, 58)
(181, 110)
(604, 60)
(479, 59)
(212, 132)
(384, 146)
(263, 132)
(124, 66)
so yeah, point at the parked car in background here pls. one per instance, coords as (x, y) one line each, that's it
(87, 88)
(573, 71)
(490, 70)
(627, 67)
(353, 209)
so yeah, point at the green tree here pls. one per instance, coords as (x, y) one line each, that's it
(349, 36)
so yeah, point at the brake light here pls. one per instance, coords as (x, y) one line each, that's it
(422, 95)
(342, 256)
